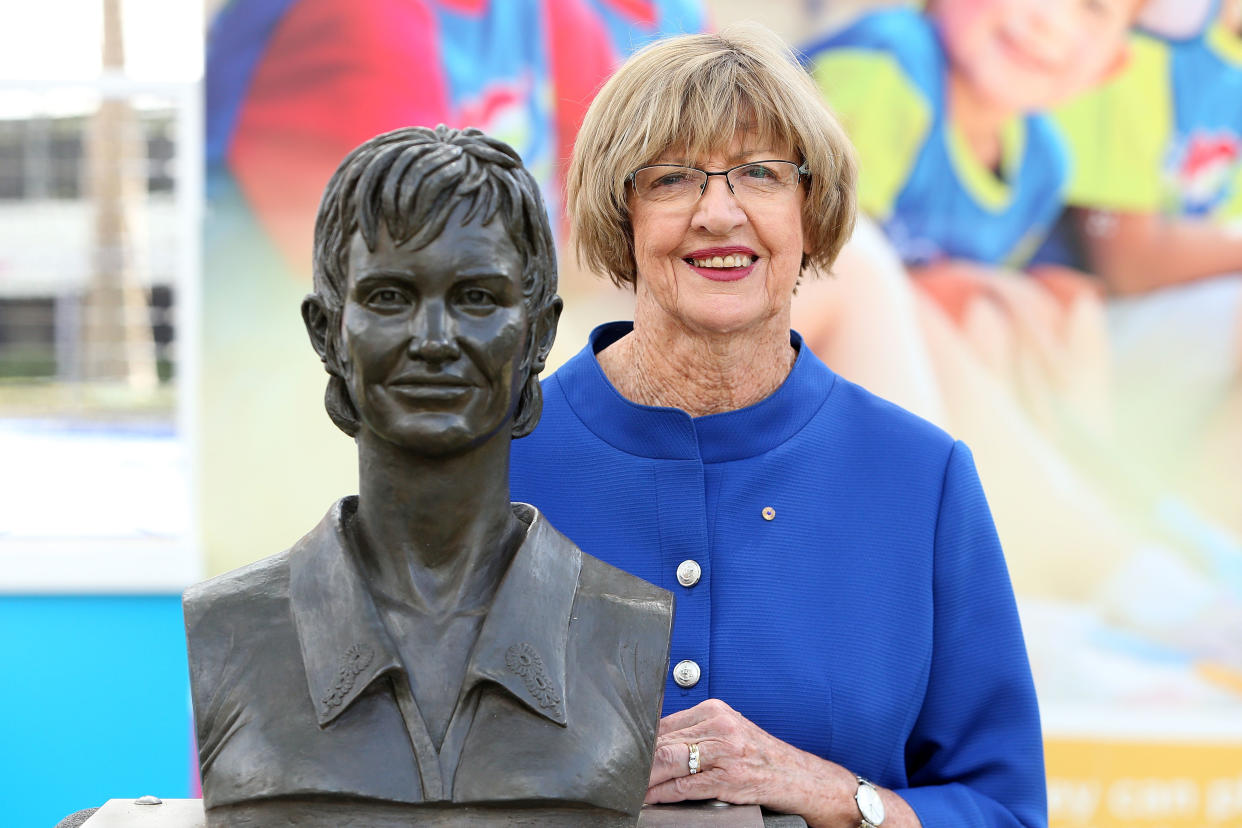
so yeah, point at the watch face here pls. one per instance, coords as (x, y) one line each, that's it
(869, 804)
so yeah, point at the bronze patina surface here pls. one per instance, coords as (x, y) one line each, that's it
(430, 653)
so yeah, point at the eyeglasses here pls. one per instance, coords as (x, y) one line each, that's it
(753, 182)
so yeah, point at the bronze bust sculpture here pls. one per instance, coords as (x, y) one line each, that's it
(430, 653)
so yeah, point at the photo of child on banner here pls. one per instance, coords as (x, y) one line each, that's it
(1157, 214)
(949, 301)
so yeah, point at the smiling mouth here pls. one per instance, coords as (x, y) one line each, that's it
(732, 260)
(431, 389)
(731, 267)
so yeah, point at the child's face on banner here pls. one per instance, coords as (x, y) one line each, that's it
(1024, 55)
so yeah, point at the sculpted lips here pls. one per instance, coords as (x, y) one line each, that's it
(431, 386)
(722, 264)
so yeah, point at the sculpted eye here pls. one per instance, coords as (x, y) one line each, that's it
(477, 298)
(386, 297)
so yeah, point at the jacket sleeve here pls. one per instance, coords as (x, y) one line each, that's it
(975, 755)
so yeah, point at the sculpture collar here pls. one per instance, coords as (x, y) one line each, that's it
(521, 645)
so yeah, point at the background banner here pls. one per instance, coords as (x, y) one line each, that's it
(1099, 393)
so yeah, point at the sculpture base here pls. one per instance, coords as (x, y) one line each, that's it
(714, 814)
(132, 813)
(188, 813)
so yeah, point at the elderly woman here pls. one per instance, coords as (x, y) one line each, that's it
(846, 644)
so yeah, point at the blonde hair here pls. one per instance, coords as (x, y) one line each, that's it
(693, 93)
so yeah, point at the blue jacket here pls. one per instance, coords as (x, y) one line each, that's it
(854, 600)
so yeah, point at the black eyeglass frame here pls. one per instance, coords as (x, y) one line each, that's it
(803, 172)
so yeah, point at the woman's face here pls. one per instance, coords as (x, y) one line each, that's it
(719, 265)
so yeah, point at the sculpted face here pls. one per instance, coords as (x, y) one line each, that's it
(433, 339)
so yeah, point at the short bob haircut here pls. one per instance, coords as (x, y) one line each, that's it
(689, 94)
(411, 180)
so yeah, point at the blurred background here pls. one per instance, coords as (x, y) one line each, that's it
(161, 413)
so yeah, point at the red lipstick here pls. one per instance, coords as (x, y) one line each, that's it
(708, 252)
(722, 274)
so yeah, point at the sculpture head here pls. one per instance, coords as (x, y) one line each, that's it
(433, 250)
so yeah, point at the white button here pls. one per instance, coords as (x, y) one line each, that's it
(686, 673)
(688, 573)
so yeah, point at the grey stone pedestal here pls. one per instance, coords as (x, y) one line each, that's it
(713, 814)
(150, 812)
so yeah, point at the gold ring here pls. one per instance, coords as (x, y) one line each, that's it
(694, 758)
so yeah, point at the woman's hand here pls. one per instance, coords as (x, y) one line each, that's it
(741, 763)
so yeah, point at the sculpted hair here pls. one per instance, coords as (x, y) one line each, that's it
(409, 181)
(690, 94)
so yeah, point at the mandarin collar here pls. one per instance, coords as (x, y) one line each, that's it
(521, 644)
(672, 434)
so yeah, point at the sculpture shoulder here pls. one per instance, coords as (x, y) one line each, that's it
(614, 608)
(600, 580)
(241, 642)
(237, 598)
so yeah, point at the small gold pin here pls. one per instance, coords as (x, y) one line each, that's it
(768, 513)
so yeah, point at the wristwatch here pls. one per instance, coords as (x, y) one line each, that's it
(870, 806)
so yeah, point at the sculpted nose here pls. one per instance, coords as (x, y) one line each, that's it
(435, 351)
(431, 335)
